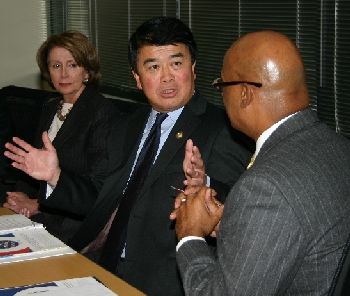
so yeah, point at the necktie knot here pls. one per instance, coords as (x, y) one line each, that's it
(160, 118)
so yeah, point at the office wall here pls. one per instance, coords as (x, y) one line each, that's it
(22, 31)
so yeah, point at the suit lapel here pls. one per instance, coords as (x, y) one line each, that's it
(135, 128)
(50, 113)
(77, 118)
(71, 125)
(116, 182)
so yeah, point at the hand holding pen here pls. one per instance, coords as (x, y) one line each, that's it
(182, 197)
(197, 214)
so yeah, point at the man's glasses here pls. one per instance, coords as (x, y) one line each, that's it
(219, 84)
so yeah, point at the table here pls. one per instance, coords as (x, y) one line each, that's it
(59, 268)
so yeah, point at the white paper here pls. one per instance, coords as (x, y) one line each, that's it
(87, 286)
(25, 240)
(16, 221)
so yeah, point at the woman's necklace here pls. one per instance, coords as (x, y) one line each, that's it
(59, 114)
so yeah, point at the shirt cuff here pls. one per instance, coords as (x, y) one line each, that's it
(208, 180)
(49, 190)
(188, 238)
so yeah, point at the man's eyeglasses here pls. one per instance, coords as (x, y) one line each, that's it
(219, 84)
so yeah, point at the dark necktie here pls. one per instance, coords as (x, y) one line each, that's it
(117, 234)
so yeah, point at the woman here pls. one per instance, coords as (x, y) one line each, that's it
(77, 122)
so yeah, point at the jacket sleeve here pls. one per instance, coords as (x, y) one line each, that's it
(258, 229)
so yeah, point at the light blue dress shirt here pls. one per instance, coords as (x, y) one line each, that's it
(166, 127)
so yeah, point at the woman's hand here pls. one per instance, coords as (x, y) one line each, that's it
(41, 164)
(20, 203)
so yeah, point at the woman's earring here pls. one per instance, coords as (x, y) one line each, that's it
(86, 80)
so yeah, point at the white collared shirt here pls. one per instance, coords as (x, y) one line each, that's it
(267, 133)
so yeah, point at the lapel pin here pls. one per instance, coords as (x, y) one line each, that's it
(179, 135)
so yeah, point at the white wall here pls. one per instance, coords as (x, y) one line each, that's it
(21, 33)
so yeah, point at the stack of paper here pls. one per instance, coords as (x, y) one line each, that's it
(23, 239)
(87, 286)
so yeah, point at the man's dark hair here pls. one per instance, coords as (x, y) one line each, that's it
(160, 31)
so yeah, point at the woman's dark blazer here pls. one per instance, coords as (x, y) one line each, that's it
(81, 147)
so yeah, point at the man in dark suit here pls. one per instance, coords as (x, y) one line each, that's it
(162, 54)
(285, 222)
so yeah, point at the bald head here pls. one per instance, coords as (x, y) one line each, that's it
(272, 59)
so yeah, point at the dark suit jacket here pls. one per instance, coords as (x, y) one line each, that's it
(285, 221)
(150, 263)
(81, 147)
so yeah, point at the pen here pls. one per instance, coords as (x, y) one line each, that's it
(177, 189)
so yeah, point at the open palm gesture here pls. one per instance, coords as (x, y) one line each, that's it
(41, 164)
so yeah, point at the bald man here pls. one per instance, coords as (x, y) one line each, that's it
(285, 222)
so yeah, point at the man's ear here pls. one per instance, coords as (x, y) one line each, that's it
(194, 70)
(137, 78)
(247, 96)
